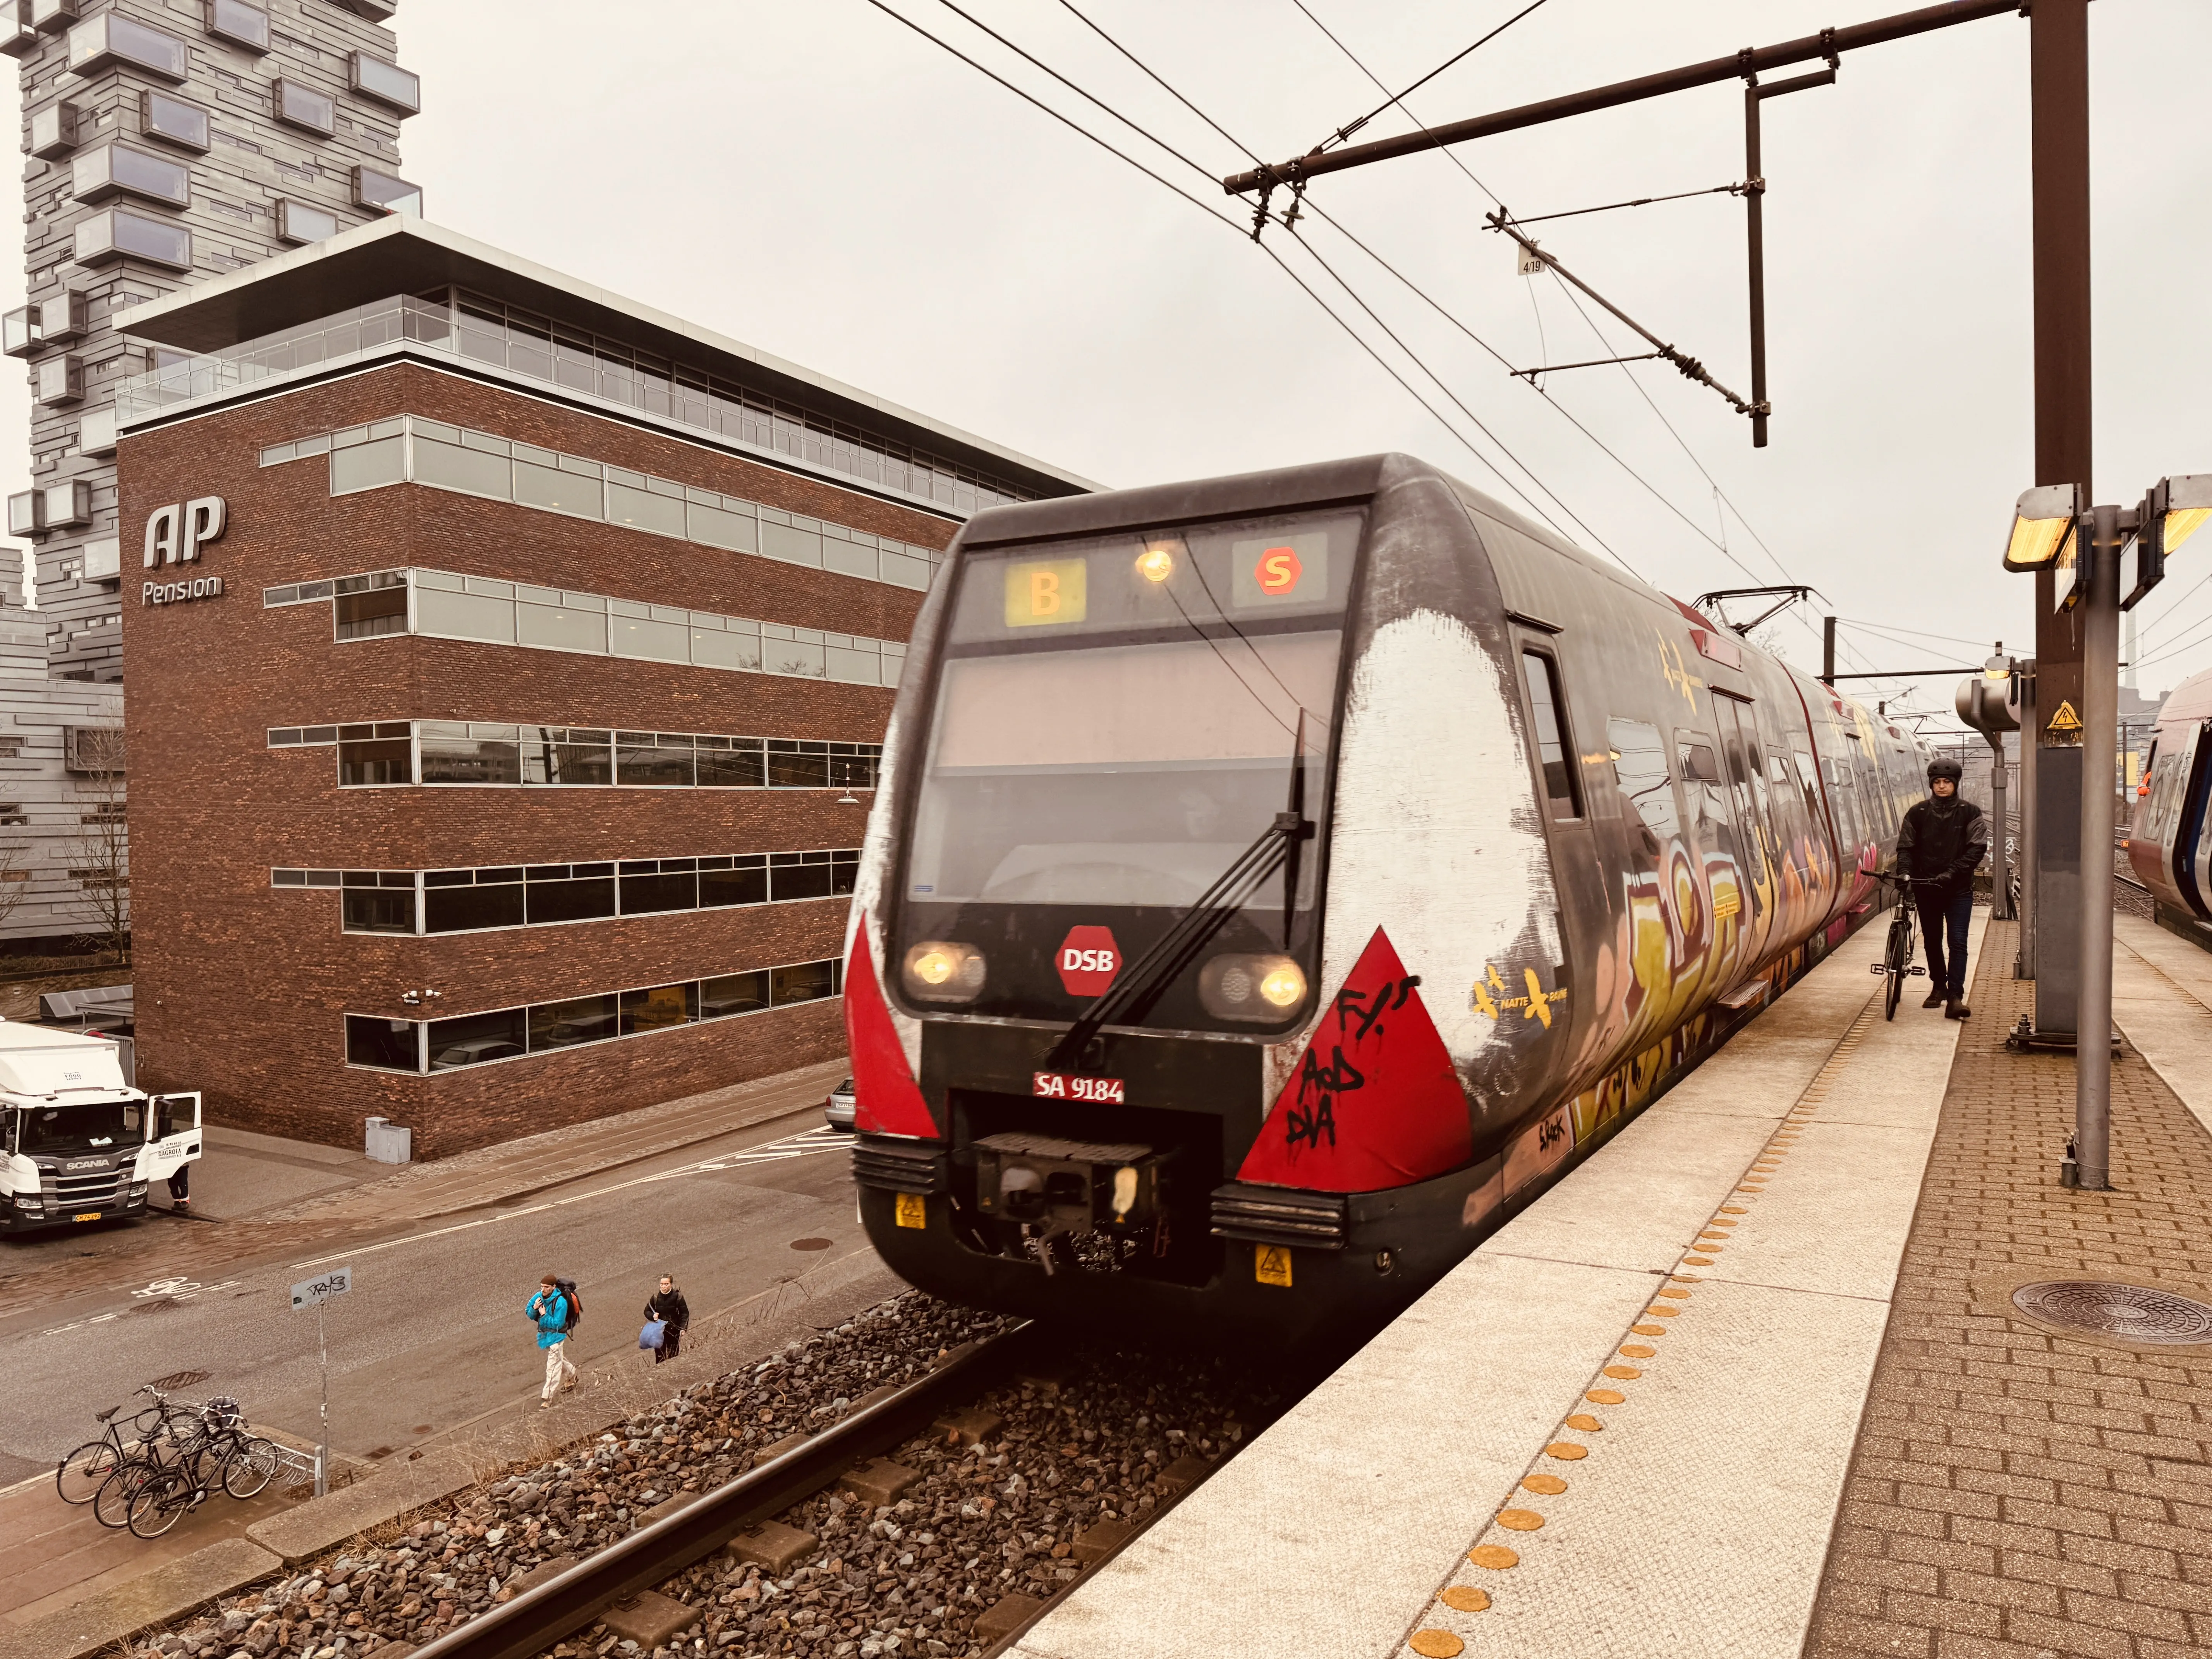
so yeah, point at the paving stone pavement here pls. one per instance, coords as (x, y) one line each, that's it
(2016, 1493)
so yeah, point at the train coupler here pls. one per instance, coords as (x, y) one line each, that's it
(1046, 1194)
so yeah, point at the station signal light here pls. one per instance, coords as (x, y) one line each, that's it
(2042, 527)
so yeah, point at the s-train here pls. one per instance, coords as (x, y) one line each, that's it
(2167, 845)
(1276, 882)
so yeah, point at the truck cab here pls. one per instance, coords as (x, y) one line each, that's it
(77, 1143)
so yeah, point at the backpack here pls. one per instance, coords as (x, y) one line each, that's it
(568, 1289)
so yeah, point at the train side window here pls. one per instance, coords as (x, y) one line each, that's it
(1554, 744)
(1639, 766)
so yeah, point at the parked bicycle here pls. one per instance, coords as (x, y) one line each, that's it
(80, 1475)
(149, 1492)
(1897, 950)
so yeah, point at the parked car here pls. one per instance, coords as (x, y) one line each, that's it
(838, 1109)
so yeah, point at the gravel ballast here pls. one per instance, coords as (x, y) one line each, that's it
(1094, 1442)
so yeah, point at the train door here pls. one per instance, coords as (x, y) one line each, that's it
(1747, 775)
(1793, 835)
(1824, 841)
(1705, 802)
(1585, 906)
(2184, 849)
(1665, 898)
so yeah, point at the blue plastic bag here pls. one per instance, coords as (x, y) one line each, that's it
(654, 1334)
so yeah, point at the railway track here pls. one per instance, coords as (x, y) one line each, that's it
(541, 1616)
(989, 1470)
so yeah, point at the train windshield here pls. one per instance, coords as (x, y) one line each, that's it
(1116, 719)
(1115, 722)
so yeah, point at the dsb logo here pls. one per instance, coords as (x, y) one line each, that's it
(1087, 961)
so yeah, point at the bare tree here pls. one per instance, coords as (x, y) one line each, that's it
(99, 849)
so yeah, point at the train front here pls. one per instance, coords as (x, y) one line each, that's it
(1087, 962)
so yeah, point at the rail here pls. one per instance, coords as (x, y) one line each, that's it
(546, 1613)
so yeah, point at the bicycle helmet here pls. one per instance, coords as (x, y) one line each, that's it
(1945, 769)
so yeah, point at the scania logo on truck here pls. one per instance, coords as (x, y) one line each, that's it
(1088, 960)
(75, 1164)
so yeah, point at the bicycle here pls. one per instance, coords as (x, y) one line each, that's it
(79, 1476)
(1896, 963)
(148, 1493)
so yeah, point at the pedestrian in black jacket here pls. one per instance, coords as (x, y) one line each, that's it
(1939, 845)
(669, 1307)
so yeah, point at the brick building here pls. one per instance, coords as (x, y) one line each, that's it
(512, 663)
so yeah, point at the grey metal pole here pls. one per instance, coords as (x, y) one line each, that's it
(2100, 697)
(2031, 726)
(2000, 870)
(323, 1448)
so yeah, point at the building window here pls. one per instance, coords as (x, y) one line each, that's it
(11, 812)
(165, 116)
(59, 379)
(118, 168)
(387, 191)
(487, 611)
(473, 1039)
(296, 221)
(490, 752)
(466, 1040)
(118, 234)
(497, 897)
(54, 130)
(238, 23)
(387, 83)
(383, 1045)
(112, 40)
(297, 105)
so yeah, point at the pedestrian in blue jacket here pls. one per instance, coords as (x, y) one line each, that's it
(550, 1308)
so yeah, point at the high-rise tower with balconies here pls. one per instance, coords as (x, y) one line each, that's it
(168, 142)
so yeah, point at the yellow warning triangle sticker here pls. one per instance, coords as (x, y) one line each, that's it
(2065, 719)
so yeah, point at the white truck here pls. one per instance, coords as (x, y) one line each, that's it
(80, 1143)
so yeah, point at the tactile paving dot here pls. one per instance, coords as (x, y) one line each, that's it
(1519, 1520)
(1637, 1350)
(1437, 1644)
(1496, 1557)
(1649, 1330)
(1566, 1451)
(1623, 1373)
(1699, 1261)
(1586, 1423)
(1734, 1209)
(1549, 1485)
(1466, 1599)
(1606, 1397)
(1675, 1290)
(1664, 1313)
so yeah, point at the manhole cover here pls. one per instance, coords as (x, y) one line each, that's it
(2133, 1313)
(810, 1244)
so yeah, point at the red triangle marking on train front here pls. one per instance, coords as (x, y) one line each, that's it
(1375, 1103)
(886, 1100)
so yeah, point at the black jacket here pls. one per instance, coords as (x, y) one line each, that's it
(670, 1308)
(1942, 840)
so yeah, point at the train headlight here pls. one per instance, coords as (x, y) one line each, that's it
(939, 970)
(1156, 564)
(1263, 989)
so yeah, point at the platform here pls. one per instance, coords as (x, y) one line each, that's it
(1653, 1432)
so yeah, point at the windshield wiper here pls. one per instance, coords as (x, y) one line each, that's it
(1133, 993)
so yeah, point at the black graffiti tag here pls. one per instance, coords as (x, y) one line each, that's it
(1314, 1114)
(1388, 997)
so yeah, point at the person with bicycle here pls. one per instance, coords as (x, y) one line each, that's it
(1942, 843)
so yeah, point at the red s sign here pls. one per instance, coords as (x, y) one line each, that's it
(1087, 961)
(1277, 571)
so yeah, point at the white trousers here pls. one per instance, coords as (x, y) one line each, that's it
(557, 1369)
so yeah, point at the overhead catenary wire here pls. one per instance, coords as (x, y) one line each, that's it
(1145, 133)
(1345, 132)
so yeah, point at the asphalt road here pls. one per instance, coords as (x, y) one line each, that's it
(433, 1338)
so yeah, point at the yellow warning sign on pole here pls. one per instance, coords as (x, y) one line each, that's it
(2065, 725)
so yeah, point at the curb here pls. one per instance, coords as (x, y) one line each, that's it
(169, 1592)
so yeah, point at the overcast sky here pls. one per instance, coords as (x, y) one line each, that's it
(820, 182)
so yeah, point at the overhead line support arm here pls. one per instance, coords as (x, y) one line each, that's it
(1807, 49)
